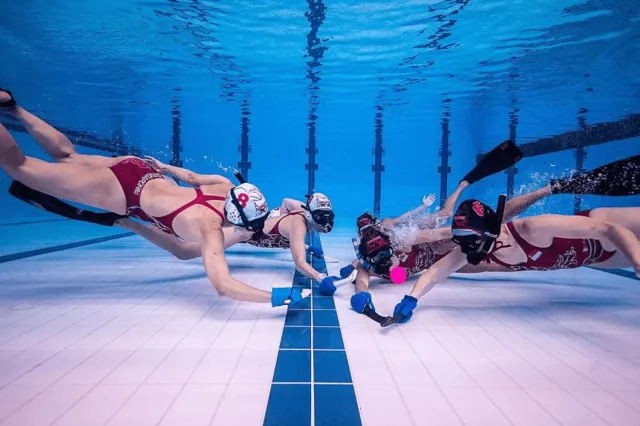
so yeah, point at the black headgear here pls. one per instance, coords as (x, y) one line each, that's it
(475, 228)
(365, 220)
(376, 248)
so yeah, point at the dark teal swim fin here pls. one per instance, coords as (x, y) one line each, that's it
(498, 159)
(53, 205)
(617, 179)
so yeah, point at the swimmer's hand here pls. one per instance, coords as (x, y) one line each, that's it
(327, 286)
(405, 308)
(156, 163)
(428, 200)
(290, 296)
(361, 301)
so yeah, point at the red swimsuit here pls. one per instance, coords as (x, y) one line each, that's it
(133, 174)
(420, 258)
(273, 238)
(563, 253)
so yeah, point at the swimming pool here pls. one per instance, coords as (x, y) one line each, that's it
(375, 104)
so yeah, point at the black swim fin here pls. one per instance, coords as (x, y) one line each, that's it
(53, 205)
(10, 103)
(616, 179)
(498, 159)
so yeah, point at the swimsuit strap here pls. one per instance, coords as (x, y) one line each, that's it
(525, 245)
(200, 199)
(276, 229)
(499, 245)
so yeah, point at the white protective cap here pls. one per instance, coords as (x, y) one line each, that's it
(246, 206)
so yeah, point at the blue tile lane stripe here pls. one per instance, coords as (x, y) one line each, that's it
(53, 249)
(312, 382)
(618, 272)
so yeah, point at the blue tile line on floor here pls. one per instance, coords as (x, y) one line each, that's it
(53, 249)
(31, 222)
(312, 383)
(618, 272)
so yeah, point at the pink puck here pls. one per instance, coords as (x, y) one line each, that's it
(398, 275)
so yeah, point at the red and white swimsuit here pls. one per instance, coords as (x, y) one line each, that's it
(563, 253)
(133, 174)
(273, 238)
(420, 258)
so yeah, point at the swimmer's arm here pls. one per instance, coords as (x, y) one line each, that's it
(217, 270)
(431, 236)
(290, 205)
(363, 277)
(439, 272)
(188, 176)
(583, 227)
(433, 220)
(390, 222)
(180, 249)
(452, 200)
(299, 252)
(232, 237)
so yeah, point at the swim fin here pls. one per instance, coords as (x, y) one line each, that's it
(498, 159)
(10, 103)
(53, 205)
(616, 179)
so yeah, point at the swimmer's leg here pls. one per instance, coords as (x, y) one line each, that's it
(629, 217)
(619, 178)
(59, 207)
(93, 187)
(57, 145)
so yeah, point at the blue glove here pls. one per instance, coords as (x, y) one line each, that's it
(326, 287)
(360, 301)
(346, 271)
(405, 308)
(316, 251)
(286, 296)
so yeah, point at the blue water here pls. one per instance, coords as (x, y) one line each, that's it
(118, 69)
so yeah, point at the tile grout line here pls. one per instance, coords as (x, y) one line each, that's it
(61, 247)
(313, 401)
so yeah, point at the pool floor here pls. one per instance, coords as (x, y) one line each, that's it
(120, 333)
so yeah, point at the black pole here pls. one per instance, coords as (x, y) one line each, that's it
(511, 171)
(176, 132)
(444, 169)
(316, 15)
(580, 155)
(378, 167)
(595, 134)
(244, 164)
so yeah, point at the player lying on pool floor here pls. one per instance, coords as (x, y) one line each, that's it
(606, 238)
(619, 178)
